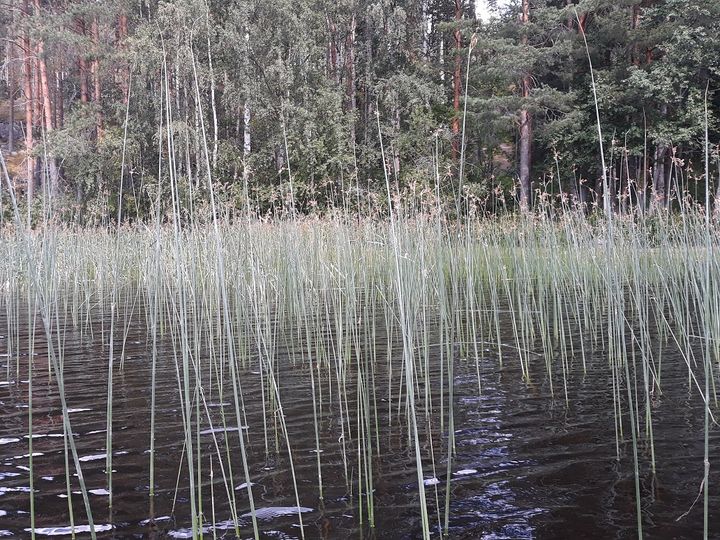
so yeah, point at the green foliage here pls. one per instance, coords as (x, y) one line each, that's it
(314, 78)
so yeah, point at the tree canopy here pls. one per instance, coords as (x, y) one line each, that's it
(102, 101)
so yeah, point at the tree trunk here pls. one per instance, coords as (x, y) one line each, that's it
(247, 142)
(247, 134)
(441, 60)
(11, 91)
(457, 83)
(82, 66)
(367, 99)
(668, 179)
(526, 127)
(426, 22)
(45, 85)
(47, 111)
(626, 183)
(583, 22)
(122, 45)
(11, 132)
(28, 91)
(659, 176)
(717, 192)
(634, 24)
(59, 100)
(585, 195)
(95, 71)
(525, 159)
(332, 50)
(395, 150)
(37, 91)
(213, 104)
(11, 80)
(350, 89)
(123, 28)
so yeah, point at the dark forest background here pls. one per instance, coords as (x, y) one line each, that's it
(103, 101)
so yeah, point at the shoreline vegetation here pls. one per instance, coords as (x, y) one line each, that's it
(320, 193)
(525, 290)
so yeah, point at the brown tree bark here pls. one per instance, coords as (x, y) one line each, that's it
(37, 90)
(457, 83)
(47, 108)
(123, 26)
(82, 64)
(11, 82)
(29, 109)
(583, 22)
(44, 85)
(122, 46)
(526, 126)
(95, 72)
(636, 57)
(11, 132)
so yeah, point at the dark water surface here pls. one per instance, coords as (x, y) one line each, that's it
(527, 464)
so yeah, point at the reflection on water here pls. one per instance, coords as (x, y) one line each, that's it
(526, 465)
(67, 531)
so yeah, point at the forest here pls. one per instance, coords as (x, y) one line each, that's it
(290, 93)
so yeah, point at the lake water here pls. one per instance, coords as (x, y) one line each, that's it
(526, 466)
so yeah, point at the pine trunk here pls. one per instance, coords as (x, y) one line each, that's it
(525, 160)
(11, 94)
(95, 72)
(59, 101)
(350, 89)
(457, 83)
(82, 65)
(247, 134)
(634, 24)
(45, 88)
(332, 50)
(28, 91)
(37, 91)
(11, 131)
(11, 81)
(124, 70)
(47, 110)
(526, 131)
(395, 150)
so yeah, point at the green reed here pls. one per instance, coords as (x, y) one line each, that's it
(335, 299)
